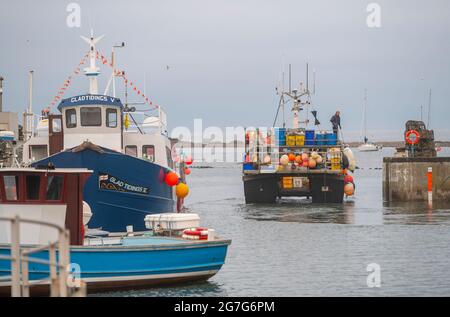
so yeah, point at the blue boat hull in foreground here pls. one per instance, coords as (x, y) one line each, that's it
(138, 262)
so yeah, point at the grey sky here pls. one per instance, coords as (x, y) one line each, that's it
(226, 56)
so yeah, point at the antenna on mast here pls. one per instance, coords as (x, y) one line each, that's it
(307, 78)
(290, 90)
(314, 81)
(92, 71)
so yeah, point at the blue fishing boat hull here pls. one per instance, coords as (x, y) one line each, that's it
(165, 261)
(122, 189)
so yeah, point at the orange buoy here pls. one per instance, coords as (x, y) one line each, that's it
(349, 189)
(182, 190)
(171, 179)
(187, 171)
(348, 179)
(291, 157)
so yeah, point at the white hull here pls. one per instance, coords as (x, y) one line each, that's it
(369, 147)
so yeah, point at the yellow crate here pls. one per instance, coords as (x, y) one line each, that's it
(287, 182)
(300, 140)
(290, 140)
(336, 166)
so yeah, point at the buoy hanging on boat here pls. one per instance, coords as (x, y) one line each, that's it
(171, 179)
(187, 171)
(182, 190)
(351, 159)
(126, 122)
(188, 160)
(349, 189)
(348, 179)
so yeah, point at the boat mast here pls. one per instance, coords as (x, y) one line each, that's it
(92, 71)
(28, 115)
(429, 109)
(365, 115)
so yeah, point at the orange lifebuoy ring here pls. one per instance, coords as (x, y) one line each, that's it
(412, 137)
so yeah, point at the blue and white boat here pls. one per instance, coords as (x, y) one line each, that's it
(106, 261)
(128, 161)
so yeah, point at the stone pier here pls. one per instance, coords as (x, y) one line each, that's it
(405, 179)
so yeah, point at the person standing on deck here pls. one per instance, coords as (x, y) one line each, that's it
(336, 122)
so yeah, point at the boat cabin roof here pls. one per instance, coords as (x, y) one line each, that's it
(44, 170)
(88, 99)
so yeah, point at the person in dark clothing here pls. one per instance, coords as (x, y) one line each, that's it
(336, 122)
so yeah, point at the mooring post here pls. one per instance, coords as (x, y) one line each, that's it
(430, 186)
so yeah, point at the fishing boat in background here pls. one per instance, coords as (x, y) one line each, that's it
(298, 161)
(172, 249)
(367, 146)
(129, 159)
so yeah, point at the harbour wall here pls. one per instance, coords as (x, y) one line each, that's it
(406, 179)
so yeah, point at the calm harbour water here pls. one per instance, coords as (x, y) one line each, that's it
(295, 248)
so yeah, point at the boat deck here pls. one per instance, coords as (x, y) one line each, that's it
(145, 241)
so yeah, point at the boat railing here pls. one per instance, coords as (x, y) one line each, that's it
(21, 257)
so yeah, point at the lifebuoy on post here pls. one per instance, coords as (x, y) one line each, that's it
(412, 137)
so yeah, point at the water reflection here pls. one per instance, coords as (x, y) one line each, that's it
(208, 288)
(300, 210)
(350, 212)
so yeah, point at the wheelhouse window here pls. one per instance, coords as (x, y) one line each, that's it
(11, 187)
(111, 118)
(71, 118)
(33, 185)
(148, 152)
(91, 116)
(54, 187)
(131, 150)
(37, 152)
